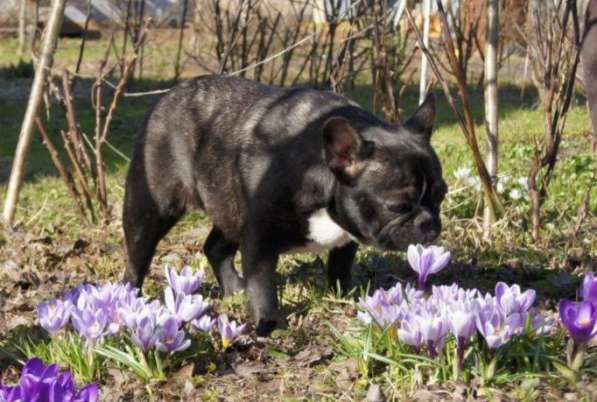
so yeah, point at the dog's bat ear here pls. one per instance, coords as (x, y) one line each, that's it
(345, 150)
(421, 122)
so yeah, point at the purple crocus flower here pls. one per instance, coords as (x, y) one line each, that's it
(462, 326)
(426, 261)
(580, 319)
(511, 300)
(129, 314)
(229, 330)
(589, 288)
(205, 323)
(105, 300)
(10, 393)
(72, 296)
(92, 325)
(53, 314)
(41, 383)
(185, 307)
(541, 324)
(36, 379)
(107, 295)
(411, 294)
(89, 393)
(410, 333)
(424, 327)
(433, 331)
(380, 309)
(170, 338)
(186, 282)
(453, 294)
(144, 332)
(394, 295)
(495, 327)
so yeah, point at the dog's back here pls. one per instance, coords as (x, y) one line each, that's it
(210, 138)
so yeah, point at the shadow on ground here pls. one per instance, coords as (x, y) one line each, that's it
(374, 270)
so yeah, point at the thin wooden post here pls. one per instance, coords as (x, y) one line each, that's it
(423, 80)
(22, 27)
(491, 105)
(35, 100)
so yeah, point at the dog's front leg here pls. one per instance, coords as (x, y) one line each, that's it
(339, 265)
(259, 269)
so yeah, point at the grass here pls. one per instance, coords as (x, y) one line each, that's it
(51, 240)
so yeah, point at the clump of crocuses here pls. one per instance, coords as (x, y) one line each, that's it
(47, 383)
(425, 322)
(104, 310)
(580, 319)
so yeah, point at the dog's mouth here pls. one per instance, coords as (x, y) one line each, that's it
(400, 232)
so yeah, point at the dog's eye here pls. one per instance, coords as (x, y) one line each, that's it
(401, 208)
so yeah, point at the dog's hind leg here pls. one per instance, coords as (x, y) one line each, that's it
(220, 253)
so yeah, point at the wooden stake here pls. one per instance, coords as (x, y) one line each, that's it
(491, 105)
(35, 101)
(22, 27)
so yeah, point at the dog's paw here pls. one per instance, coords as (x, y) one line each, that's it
(265, 327)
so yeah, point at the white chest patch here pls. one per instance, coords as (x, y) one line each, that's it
(324, 234)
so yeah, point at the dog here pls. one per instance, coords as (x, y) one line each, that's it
(279, 170)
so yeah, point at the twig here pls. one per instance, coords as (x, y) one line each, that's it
(73, 131)
(80, 175)
(66, 176)
(83, 37)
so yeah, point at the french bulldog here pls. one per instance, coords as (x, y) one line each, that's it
(278, 170)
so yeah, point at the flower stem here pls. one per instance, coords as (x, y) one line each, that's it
(158, 364)
(431, 349)
(577, 356)
(456, 364)
(90, 360)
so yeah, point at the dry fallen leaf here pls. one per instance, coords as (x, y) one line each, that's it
(313, 354)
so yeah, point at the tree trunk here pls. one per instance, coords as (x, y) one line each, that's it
(423, 80)
(491, 105)
(35, 101)
(22, 27)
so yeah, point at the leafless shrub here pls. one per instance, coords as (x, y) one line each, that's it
(467, 24)
(242, 34)
(300, 42)
(84, 172)
(389, 56)
(553, 40)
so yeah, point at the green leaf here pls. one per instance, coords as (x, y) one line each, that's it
(276, 353)
(128, 360)
(569, 374)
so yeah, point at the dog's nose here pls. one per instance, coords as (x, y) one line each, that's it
(424, 225)
(429, 225)
(424, 222)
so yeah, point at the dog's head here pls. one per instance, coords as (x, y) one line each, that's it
(390, 183)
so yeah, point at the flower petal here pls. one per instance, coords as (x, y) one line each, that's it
(414, 258)
(440, 262)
